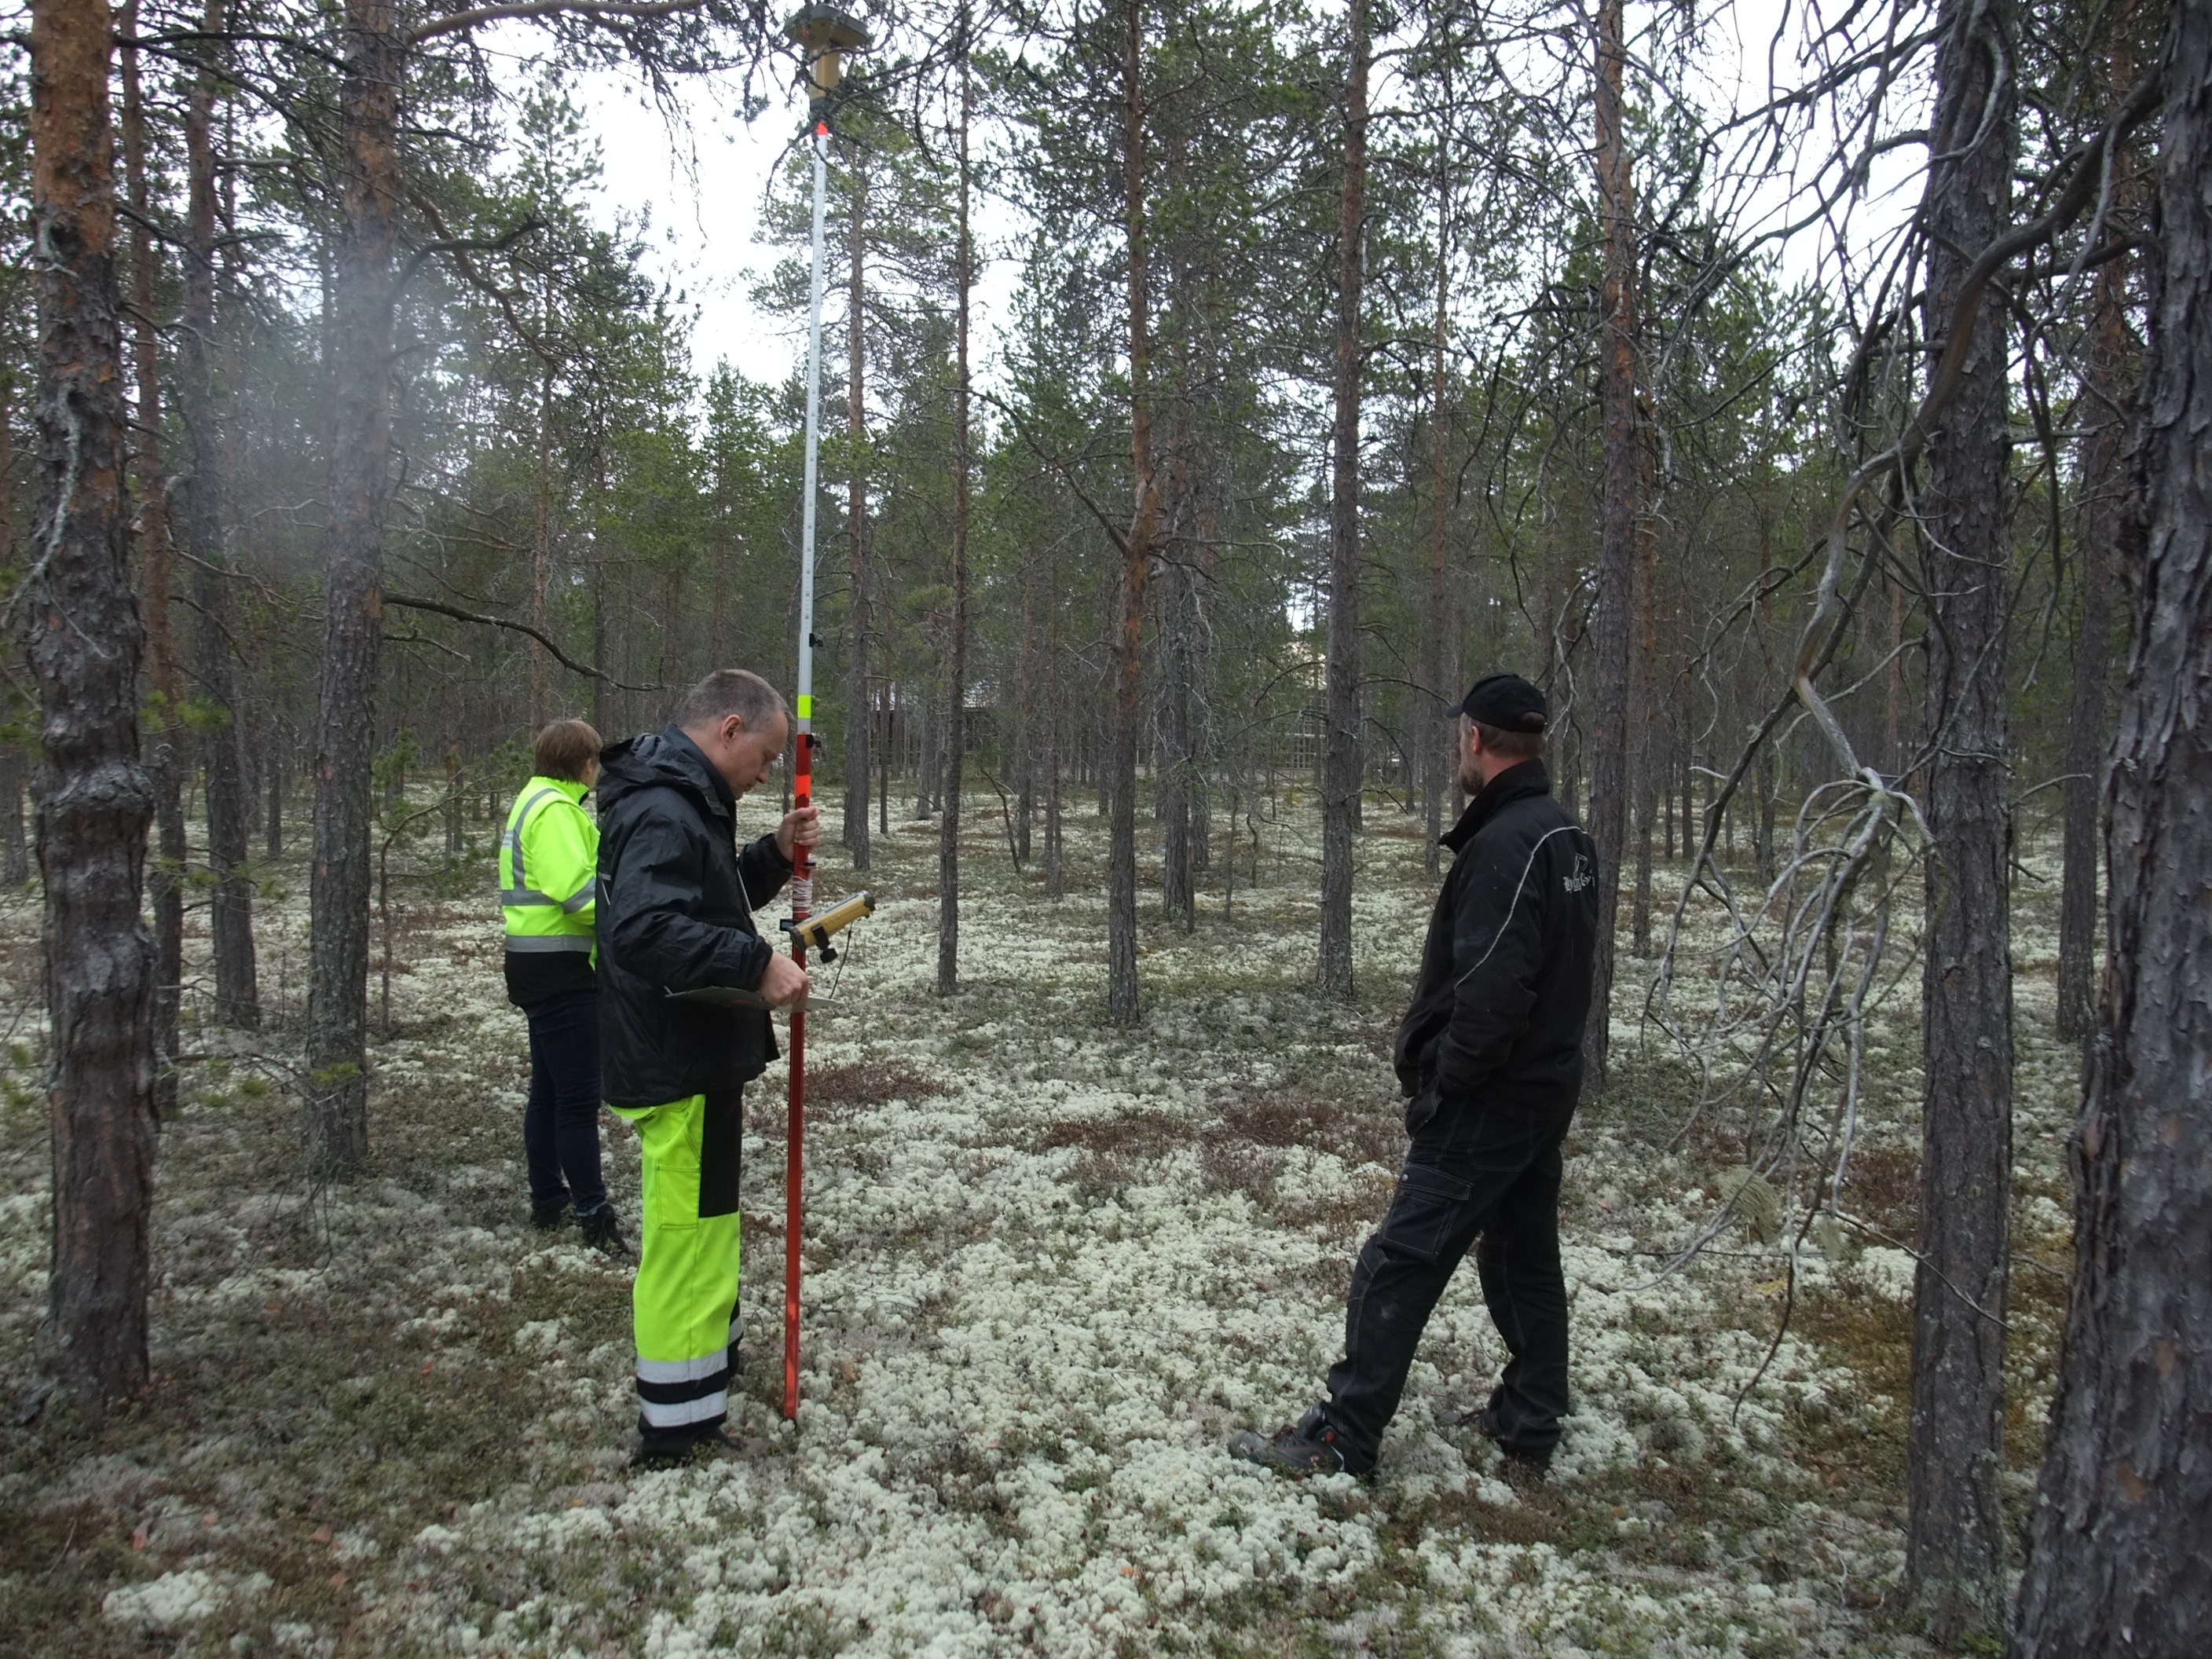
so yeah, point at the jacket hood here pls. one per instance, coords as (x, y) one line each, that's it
(1528, 778)
(662, 759)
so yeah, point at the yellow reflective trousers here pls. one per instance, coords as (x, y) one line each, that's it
(685, 1298)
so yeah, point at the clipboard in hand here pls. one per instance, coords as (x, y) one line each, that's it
(732, 996)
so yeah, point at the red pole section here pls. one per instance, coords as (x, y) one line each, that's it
(794, 1168)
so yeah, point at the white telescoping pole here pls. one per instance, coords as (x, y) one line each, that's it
(802, 869)
(802, 897)
(813, 448)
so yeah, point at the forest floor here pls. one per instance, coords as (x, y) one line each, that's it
(1051, 1266)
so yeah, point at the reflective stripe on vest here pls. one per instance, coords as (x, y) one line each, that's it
(522, 893)
(534, 944)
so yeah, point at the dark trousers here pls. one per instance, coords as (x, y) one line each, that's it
(1476, 1171)
(560, 1124)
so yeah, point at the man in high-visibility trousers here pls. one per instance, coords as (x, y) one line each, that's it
(548, 866)
(675, 914)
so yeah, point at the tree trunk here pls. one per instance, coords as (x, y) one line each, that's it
(1440, 749)
(1122, 997)
(541, 539)
(202, 507)
(337, 992)
(1618, 514)
(2123, 1523)
(2103, 484)
(1024, 740)
(1765, 782)
(1341, 763)
(14, 849)
(1647, 809)
(273, 764)
(956, 667)
(926, 756)
(857, 698)
(1055, 878)
(1954, 1537)
(80, 634)
(450, 812)
(1178, 895)
(165, 761)
(602, 706)
(1648, 726)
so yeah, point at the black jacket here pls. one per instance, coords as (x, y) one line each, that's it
(1505, 988)
(675, 914)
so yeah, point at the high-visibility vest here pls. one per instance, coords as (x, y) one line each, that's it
(549, 868)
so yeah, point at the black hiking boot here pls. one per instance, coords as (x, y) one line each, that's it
(548, 1216)
(602, 1230)
(669, 1450)
(1308, 1446)
(1529, 1461)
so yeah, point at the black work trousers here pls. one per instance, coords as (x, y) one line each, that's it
(561, 1124)
(1476, 1169)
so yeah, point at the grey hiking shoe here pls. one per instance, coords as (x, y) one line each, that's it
(1306, 1447)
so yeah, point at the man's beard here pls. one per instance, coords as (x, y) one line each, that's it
(1470, 777)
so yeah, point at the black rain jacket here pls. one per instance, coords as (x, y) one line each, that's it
(1505, 987)
(675, 900)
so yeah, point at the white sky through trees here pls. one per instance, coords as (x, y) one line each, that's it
(703, 191)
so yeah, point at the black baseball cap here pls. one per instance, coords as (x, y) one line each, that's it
(1506, 701)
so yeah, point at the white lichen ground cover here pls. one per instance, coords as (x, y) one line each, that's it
(1050, 1267)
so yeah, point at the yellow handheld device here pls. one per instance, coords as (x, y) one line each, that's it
(814, 933)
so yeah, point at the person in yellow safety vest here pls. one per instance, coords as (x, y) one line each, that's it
(549, 869)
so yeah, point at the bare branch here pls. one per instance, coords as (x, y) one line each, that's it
(461, 21)
(409, 602)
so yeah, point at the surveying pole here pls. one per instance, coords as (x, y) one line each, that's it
(824, 34)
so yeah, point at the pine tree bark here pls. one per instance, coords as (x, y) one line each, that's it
(1440, 748)
(165, 767)
(858, 694)
(1024, 736)
(2102, 467)
(1178, 891)
(602, 699)
(273, 766)
(1619, 514)
(1122, 1006)
(1954, 1533)
(541, 539)
(956, 667)
(2122, 1524)
(1644, 745)
(202, 507)
(1055, 876)
(80, 632)
(1341, 757)
(337, 992)
(15, 846)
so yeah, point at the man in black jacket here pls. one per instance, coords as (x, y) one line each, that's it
(1490, 1058)
(675, 900)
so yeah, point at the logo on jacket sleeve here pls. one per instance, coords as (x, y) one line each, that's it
(1581, 877)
